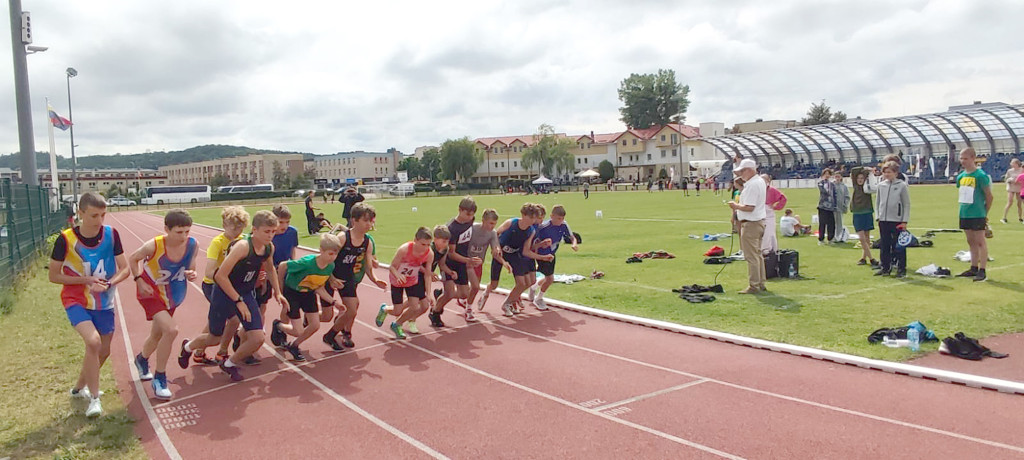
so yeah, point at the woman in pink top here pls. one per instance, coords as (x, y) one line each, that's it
(1013, 189)
(774, 201)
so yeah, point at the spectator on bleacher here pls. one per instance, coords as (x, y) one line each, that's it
(826, 207)
(1013, 189)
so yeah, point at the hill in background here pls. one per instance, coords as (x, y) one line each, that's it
(149, 160)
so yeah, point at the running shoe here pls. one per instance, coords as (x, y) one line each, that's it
(184, 355)
(862, 262)
(346, 339)
(969, 273)
(532, 292)
(1002, 220)
(435, 319)
(277, 336)
(506, 309)
(382, 314)
(83, 393)
(142, 364)
(200, 358)
(330, 340)
(901, 273)
(397, 329)
(160, 386)
(980, 276)
(95, 408)
(410, 327)
(233, 372)
(482, 302)
(295, 352)
(252, 361)
(469, 315)
(540, 304)
(221, 357)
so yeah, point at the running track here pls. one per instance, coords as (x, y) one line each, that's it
(554, 384)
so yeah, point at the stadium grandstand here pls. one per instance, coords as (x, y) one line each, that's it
(927, 143)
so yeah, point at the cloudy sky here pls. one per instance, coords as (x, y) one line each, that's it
(327, 76)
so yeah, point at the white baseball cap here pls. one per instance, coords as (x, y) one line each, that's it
(744, 164)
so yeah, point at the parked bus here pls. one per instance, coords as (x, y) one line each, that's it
(176, 194)
(250, 188)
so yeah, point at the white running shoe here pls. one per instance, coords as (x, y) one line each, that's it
(83, 393)
(540, 304)
(95, 408)
(410, 327)
(482, 302)
(532, 292)
(507, 310)
(469, 315)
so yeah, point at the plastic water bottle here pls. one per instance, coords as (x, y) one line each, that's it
(914, 337)
(792, 271)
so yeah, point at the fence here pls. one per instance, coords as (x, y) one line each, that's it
(26, 220)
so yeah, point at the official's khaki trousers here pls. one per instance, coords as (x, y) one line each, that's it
(751, 233)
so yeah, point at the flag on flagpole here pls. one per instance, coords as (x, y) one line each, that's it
(58, 121)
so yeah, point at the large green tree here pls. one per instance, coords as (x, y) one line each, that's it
(820, 114)
(549, 152)
(219, 180)
(459, 159)
(430, 165)
(412, 167)
(606, 169)
(653, 99)
(279, 176)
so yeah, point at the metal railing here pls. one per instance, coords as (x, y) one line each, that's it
(26, 221)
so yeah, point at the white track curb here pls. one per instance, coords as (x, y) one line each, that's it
(927, 373)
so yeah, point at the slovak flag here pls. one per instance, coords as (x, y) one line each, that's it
(58, 121)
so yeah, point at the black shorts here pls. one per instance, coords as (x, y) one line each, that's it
(263, 295)
(546, 268)
(531, 264)
(418, 290)
(222, 309)
(348, 290)
(459, 269)
(496, 268)
(300, 302)
(973, 223)
(208, 291)
(520, 266)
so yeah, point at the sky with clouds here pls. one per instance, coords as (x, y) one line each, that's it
(323, 77)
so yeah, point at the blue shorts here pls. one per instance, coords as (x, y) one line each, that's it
(222, 309)
(520, 265)
(102, 320)
(208, 291)
(863, 222)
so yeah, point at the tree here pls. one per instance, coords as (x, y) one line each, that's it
(653, 99)
(430, 164)
(459, 159)
(279, 176)
(114, 190)
(549, 152)
(607, 170)
(219, 180)
(412, 166)
(820, 114)
(662, 174)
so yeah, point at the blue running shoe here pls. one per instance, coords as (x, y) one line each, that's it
(397, 329)
(142, 364)
(382, 314)
(160, 386)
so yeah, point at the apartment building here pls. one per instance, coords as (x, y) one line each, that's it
(355, 167)
(257, 168)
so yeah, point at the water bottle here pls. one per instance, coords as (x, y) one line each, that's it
(914, 337)
(792, 271)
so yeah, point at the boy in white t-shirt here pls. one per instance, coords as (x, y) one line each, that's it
(790, 225)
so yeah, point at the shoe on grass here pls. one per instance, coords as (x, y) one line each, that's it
(969, 273)
(95, 408)
(980, 276)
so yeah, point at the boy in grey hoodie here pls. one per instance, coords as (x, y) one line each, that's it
(893, 205)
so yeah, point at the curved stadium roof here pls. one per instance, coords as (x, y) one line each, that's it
(989, 128)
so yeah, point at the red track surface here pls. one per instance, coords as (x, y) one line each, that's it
(555, 384)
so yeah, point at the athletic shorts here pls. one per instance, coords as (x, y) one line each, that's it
(348, 290)
(300, 302)
(208, 291)
(263, 296)
(459, 269)
(102, 320)
(479, 271)
(520, 266)
(974, 223)
(222, 309)
(546, 268)
(863, 222)
(418, 290)
(496, 268)
(531, 264)
(154, 305)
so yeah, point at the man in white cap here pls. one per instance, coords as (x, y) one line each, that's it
(750, 211)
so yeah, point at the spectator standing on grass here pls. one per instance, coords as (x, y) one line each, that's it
(349, 198)
(842, 205)
(751, 214)
(1013, 189)
(893, 203)
(826, 207)
(975, 199)
(586, 190)
(775, 200)
(863, 211)
(310, 213)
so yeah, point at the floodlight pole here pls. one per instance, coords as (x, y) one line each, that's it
(71, 72)
(22, 98)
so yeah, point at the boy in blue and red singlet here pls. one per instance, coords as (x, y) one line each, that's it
(88, 260)
(168, 264)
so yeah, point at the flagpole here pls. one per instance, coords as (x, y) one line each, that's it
(53, 158)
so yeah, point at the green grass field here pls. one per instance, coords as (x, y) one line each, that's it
(835, 309)
(42, 355)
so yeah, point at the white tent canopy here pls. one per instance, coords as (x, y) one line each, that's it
(588, 174)
(541, 180)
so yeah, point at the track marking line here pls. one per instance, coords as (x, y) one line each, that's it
(154, 420)
(553, 398)
(775, 395)
(650, 395)
(290, 366)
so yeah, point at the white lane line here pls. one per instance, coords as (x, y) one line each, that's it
(337, 397)
(161, 434)
(774, 395)
(650, 395)
(556, 399)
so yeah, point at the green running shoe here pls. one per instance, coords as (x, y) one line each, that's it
(410, 326)
(382, 314)
(399, 333)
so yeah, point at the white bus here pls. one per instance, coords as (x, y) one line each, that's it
(167, 194)
(251, 188)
